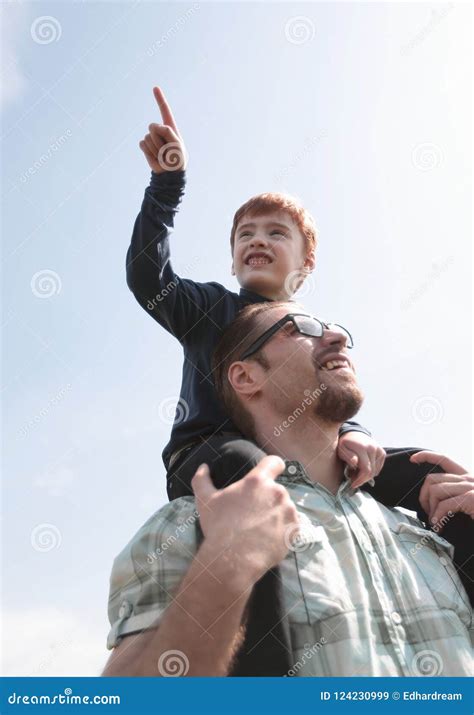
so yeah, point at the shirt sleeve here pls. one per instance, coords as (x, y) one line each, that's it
(147, 573)
(353, 427)
(176, 303)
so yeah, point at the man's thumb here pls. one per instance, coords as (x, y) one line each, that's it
(202, 483)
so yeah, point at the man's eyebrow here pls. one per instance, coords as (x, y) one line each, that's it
(270, 223)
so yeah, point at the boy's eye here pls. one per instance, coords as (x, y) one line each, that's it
(278, 233)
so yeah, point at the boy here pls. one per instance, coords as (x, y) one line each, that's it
(273, 242)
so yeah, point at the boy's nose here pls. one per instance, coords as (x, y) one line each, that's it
(258, 240)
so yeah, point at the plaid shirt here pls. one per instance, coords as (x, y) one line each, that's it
(368, 591)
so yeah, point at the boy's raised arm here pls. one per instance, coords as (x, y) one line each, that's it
(175, 303)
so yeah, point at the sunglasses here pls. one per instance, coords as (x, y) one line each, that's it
(305, 325)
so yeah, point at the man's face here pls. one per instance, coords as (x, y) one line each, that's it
(268, 249)
(300, 364)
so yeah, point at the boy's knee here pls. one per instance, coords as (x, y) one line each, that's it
(235, 460)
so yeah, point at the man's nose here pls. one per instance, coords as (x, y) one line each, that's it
(333, 338)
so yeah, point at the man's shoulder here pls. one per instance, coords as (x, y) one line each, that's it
(173, 531)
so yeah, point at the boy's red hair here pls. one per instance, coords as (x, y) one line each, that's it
(264, 203)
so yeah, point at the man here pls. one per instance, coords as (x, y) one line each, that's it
(368, 591)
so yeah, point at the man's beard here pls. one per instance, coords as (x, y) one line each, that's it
(339, 402)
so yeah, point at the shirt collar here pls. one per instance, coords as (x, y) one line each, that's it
(295, 472)
(251, 297)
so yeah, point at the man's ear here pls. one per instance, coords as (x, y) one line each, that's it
(232, 269)
(309, 262)
(243, 378)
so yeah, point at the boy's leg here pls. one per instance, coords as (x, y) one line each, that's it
(266, 648)
(229, 457)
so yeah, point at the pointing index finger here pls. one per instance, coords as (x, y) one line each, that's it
(166, 113)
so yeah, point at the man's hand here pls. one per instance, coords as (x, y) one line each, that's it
(449, 491)
(362, 454)
(248, 522)
(163, 146)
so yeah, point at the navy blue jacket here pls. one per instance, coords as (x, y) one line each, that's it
(194, 313)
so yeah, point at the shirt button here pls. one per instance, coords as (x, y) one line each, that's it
(292, 469)
(396, 618)
(443, 560)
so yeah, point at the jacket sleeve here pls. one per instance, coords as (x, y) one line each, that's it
(176, 303)
(353, 427)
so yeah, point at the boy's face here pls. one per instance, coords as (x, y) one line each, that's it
(267, 249)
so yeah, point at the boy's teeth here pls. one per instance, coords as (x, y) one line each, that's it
(258, 261)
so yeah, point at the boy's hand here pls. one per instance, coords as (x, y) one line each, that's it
(449, 491)
(163, 146)
(362, 454)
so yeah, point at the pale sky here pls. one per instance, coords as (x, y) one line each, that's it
(360, 109)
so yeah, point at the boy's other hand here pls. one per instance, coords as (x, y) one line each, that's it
(163, 146)
(448, 492)
(364, 457)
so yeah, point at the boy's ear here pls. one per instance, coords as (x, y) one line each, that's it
(232, 270)
(310, 262)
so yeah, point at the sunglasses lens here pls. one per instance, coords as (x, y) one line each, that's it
(308, 326)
